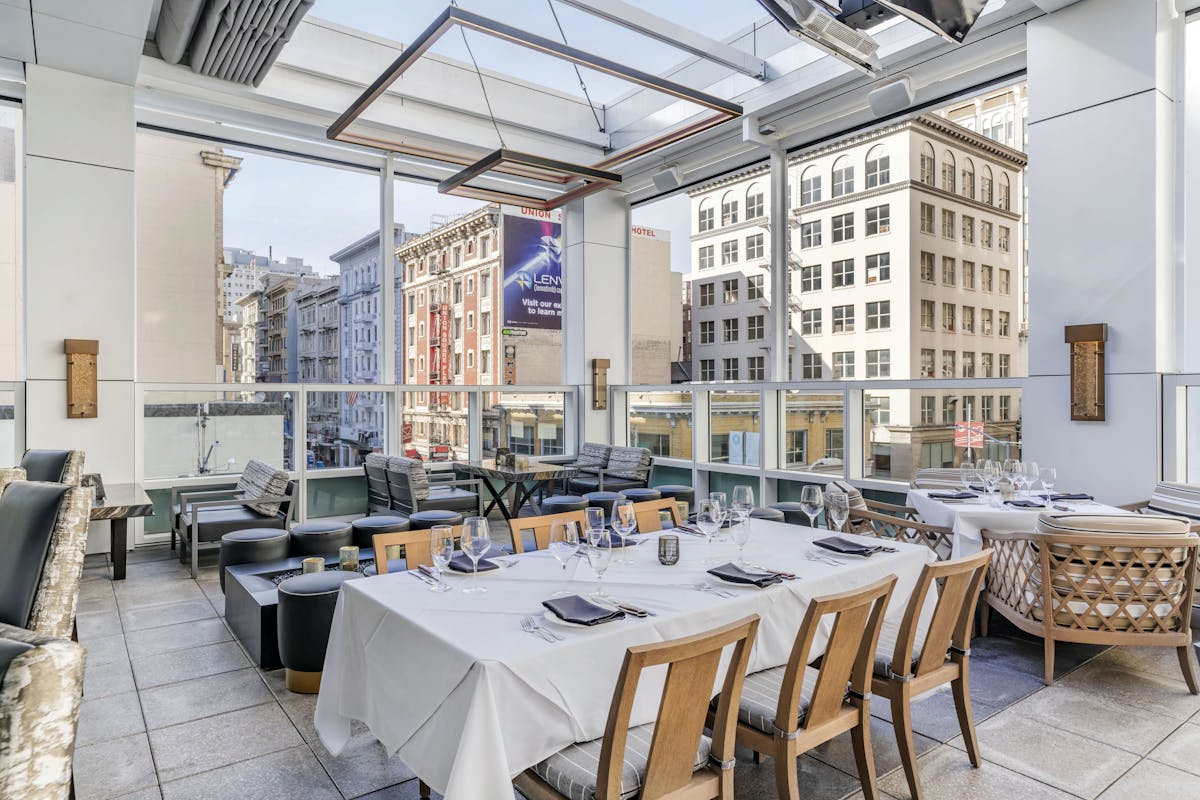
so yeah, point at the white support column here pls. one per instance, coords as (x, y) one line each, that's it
(80, 266)
(596, 300)
(391, 369)
(780, 284)
(1102, 156)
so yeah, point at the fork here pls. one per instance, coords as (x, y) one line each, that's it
(811, 556)
(708, 587)
(531, 625)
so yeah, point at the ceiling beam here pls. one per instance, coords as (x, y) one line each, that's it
(673, 34)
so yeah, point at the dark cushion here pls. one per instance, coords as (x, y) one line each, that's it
(304, 616)
(561, 503)
(451, 498)
(366, 528)
(320, 537)
(220, 520)
(773, 514)
(641, 494)
(251, 547)
(394, 565)
(45, 465)
(793, 512)
(674, 489)
(583, 484)
(423, 520)
(28, 512)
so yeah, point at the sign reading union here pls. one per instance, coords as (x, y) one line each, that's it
(532, 264)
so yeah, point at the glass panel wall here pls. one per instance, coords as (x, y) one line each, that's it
(735, 428)
(662, 423)
(813, 432)
(532, 424)
(11, 192)
(330, 442)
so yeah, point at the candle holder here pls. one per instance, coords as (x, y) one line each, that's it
(668, 549)
(348, 558)
(313, 564)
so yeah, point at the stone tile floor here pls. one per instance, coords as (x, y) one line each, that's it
(174, 709)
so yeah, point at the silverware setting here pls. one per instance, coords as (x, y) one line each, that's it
(712, 589)
(787, 576)
(814, 556)
(422, 578)
(531, 624)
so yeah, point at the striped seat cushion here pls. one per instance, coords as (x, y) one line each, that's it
(418, 478)
(1111, 523)
(760, 697)
(262, 480)
(937, 478)
(630, 463)
(885, 651)
(572, 770)
(592, 456)
(857, 503)
(377, 460)
(1175, 499)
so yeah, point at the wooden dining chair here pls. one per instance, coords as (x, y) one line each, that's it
(670, 758)
(649, 515)
(786, 711)
(413, 544)
(541, 527)
(910, 661)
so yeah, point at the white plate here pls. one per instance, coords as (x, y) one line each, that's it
(456, 574)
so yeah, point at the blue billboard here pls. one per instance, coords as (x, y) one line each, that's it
(532, 264)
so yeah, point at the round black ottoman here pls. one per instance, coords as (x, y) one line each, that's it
(641, 495)
(605, 500)
(424, 520)
(320, 537)
(305, 613)
(773, 514)
(252, 546)
(793, 512)
(677, 491)
(367, 527)
(562, 503)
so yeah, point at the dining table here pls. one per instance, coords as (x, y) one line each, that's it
(512, 487)
(468, 699)
(968, 517)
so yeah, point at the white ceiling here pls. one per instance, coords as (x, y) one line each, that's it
(101, 39)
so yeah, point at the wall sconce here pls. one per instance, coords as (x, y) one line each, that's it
(600, 384)
(1087, 370)
(81, 377)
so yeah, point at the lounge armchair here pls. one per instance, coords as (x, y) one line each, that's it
(262, 498)
(626, 468)
(410, 490)
(9, 475)
(375, 470)
(53, 466)
(1097, 579)
(41, 684)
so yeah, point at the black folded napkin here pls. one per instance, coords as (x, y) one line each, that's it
(726, 524)
(846, 547)
(1076, 496)
(461, 563)
(576, 609)
(1024, 504)
(980, 489)
(735, 574)
(952, 495)
(618, 540)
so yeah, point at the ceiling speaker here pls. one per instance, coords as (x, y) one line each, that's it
(668, 179)
(891, 97)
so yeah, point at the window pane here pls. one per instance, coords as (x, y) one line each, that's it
(812, 432)
(661, 422)
(735, 428)
(343, 427)
(532, 424)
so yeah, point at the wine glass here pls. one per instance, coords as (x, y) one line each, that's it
(599, 556)
(476, 541)
(1049, 478)
(741, 532)
(743, 499)
(1012, 471)
(624, 523)
(708, 519)
(723, 506)
(1031, 475)
(991, 477)
(811, 503)
(966, 473)
(564, 544)
(595, 518)
(837, 506)
(441, 549)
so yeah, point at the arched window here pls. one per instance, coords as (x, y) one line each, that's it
(948, 172)
(754, 201)
(729, 209)
(879, 167)
(1005, 201)
(985, 185)
(968, 179)
(843, 176)
(928, 165)
(810, 186)
(706, 218)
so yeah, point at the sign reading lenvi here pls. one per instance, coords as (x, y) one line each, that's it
(532, 264)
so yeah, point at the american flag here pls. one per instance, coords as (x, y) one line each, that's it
(351, 397)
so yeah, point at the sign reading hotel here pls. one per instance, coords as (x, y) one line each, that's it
(532, 266)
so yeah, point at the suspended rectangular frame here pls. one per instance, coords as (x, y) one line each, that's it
(524, 165)
(592, 180)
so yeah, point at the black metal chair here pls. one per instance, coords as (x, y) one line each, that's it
(411, 491)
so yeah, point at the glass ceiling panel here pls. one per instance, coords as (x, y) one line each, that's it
(716, 18)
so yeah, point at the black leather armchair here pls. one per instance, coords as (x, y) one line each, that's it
(203, 517)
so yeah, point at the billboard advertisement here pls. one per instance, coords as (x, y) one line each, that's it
(532, 265)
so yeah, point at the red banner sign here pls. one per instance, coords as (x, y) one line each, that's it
(968, 434)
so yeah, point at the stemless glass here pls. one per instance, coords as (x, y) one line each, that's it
(476, 541)
(564, 544)
(441, 550)
(599, 556)
(708, 519)
(837, 506)
(624, 522)
(811, 502)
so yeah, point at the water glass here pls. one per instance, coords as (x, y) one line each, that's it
(441, 550)
(723, 508)
(564, 544)
(476, 541)
(1031, 475)
(595, 521)
(743, 499)
(708, 519)
(811, 502)
(1049, 478)
(741, 534)
(837, 507)
(991, 477)
(966, 474)
(599, 556)
(625, 523)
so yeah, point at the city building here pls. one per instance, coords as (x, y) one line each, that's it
(283, 324)
(319, 316)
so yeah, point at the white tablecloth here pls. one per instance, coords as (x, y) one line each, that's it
(452, 684)
(968, 518)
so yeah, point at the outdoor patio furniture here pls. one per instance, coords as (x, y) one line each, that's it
(558, 503)
(793, 512)
(1097, 579)
(53, 466)
(411, 490)
(251, 546)
(541, 526)
(670, 757)
(424, 520)
(937, 478)
(41, 684)
(319, 537)
(773, 514)
(605, 500)
(868, 522)
(365, 528)
(915, 658)
(627, 468)
(678, 491)
(649, 515)
(375, 470)
(641, 494)
(306, 604)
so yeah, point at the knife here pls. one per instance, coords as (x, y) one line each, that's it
(634, 610)
(427, 572)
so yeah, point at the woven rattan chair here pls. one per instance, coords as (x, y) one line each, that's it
(888, 521)
(1098, 579)
(936, 478)
(787, 711)
(671, 758)
(912, 660)
(541, 528)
